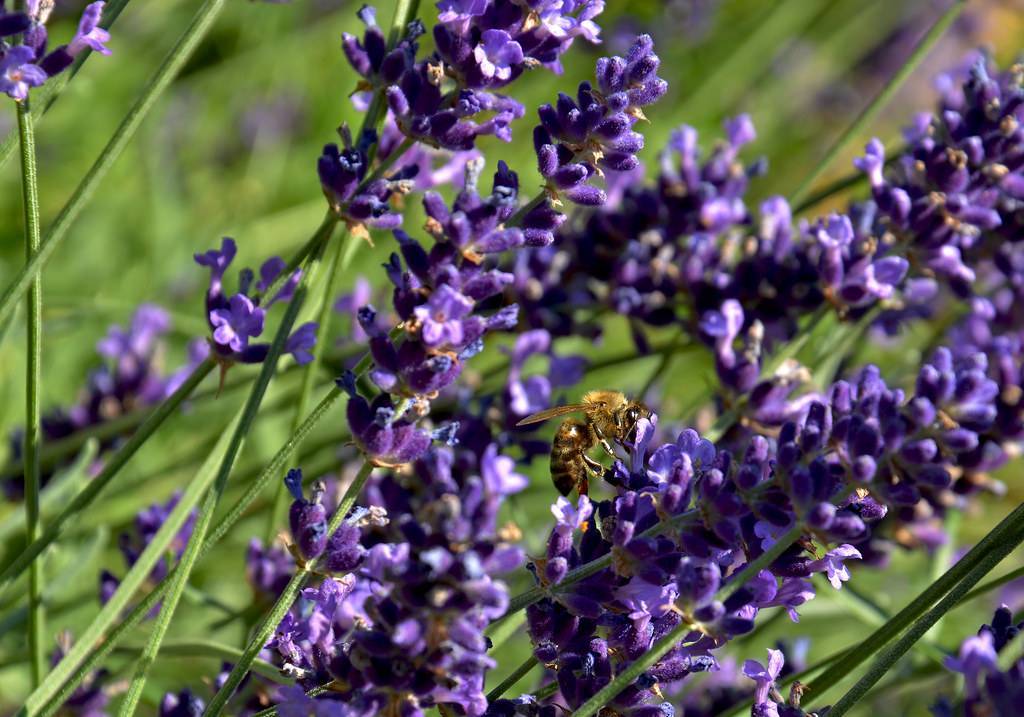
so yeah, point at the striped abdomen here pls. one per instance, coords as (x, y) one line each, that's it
(568, 467)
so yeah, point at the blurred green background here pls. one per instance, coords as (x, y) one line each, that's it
(231, 150)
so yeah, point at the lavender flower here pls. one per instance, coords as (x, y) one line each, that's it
(18, 73)
(237, 319)
(576, 140)
(25, 66)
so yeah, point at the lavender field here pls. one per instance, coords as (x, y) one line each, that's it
(512, 358)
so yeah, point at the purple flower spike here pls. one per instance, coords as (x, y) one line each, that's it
(18, 73)
(764, 676)
(497, 54)
(90, 34)
(832, 564)
(441, 317)
(234, 326)
(976, 658)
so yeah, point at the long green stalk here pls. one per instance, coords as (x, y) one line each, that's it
(224, 526)
(517, 674)
(309, 375)
(211, 500)
(892, 654)
(284, 601)
(915, 609)
(110, 614)
(869, 113)
(207, 648)
(110, 470)
(33, 382)
(172, 64)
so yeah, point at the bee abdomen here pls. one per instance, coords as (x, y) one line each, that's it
(568, 469)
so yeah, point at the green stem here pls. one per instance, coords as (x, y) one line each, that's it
(917, 607)
(109, 616)
(224, 526)
(517, 674)
(993, 584)
(207, 648)
(33, 382)
(517, 218)
(869, 113)
(284, 601)
(842, 184)
(110, 470)
(309, 375)
(212, 500)
(45, 96)
(885, 661)
(172, 64)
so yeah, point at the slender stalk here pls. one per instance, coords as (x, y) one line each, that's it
(92, 489)
(309, 375)
(224, 526)
(891, 655)
(33, 382)
(212, 500)
(517, 218)
(915, 609)
(993, 584)
(44, 97)
(207, 648)
(110, 614)
(284, 601)
(869, 113)
(172, 64)
(517, 674)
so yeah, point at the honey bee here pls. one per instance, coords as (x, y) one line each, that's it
(607, 416)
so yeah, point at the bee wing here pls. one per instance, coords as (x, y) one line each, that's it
(551, 413)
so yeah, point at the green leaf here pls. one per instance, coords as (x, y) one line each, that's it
(114, 464)
(916, 608)
(57, 492)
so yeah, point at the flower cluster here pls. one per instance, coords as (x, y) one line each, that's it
(480, 47)
(576, 140)
(29, 65)
(688, 516)
(362, 202)
(988, 688)
(399, 625)
(236, 319)
(130, 378)
(440, 296)
(956, 195)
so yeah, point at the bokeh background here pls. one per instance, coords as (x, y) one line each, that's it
(231, 151)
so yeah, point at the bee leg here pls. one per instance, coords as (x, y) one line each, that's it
(607, 447)
(583, 486)
(595, 468)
